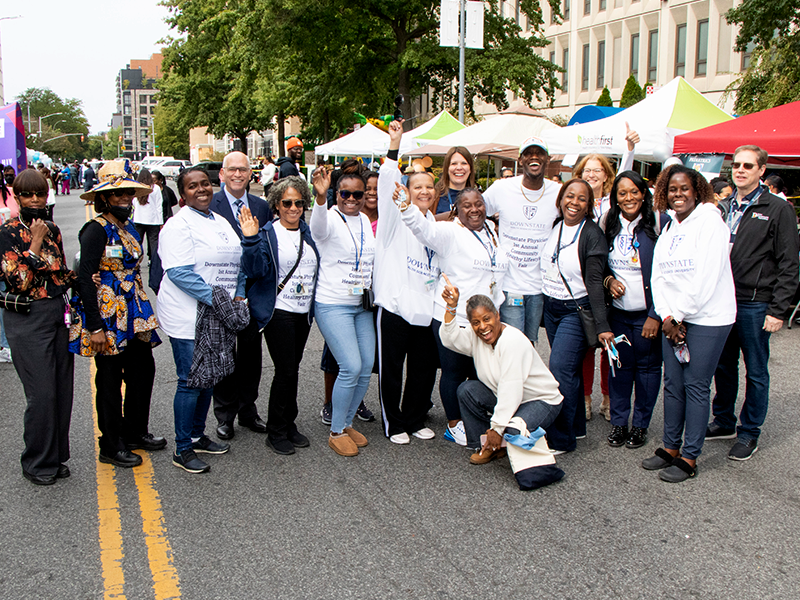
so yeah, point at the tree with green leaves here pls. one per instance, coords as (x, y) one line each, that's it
(605, 98)
(773, 77)
(632, 93)
(170, 134)
(59, 116)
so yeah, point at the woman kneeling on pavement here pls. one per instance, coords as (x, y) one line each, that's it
(282, 261)
(33, 265)
(117, 325)
(512, 379)
(200, 253)
(694, 295)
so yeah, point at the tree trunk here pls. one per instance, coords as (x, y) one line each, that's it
(243, 141)
(281, 134)
(326, 127)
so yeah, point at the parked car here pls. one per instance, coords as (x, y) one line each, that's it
(212, 168)
(172, 168)
(153, 162)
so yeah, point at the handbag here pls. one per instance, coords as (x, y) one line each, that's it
(286, 279)
(368, 299)
(15, 303)
(585, 314)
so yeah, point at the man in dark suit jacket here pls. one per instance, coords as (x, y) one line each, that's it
(237, 393)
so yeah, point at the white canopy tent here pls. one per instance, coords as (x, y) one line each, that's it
(367, 140)
(674, 109)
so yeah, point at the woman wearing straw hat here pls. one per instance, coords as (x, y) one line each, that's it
(117, 324)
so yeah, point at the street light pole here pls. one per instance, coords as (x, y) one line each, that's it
(39, 133)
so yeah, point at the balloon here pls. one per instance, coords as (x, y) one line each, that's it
(661, 152)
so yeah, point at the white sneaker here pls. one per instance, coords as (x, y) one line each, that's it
(426, 433)
(400, 438)
(557, 452)
(456, 434)
(5, 355)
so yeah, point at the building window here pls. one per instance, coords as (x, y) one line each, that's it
(701, 65)
(128, 133)
(652, 57)
(126, 121)
(126, 110)
(144, 145)
(516, 11)
(602, 5)
(126, 98)
(680, 51)
(128, 143)
(553, 57)
(143, 134)
(747, 55)
(635, 55)
(143, 109)
(601, 64)
(143, 122)
(566, 9)
(587, 7)
(585, 68)
(565, 74)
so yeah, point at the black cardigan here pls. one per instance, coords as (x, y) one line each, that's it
(593, 256)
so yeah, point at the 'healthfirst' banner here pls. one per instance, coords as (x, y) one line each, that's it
(12, 138)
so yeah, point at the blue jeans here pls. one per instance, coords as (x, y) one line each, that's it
(477, 406)
(567, 350)
(687, 387)
(527, 317)
(456, 369)
(640, 370)
(191, 404)
(747, 335)
(350, 334)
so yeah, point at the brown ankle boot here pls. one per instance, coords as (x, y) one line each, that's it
(588, 401)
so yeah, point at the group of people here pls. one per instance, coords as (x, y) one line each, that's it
(651, 279)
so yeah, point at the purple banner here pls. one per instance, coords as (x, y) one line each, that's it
(12, 138)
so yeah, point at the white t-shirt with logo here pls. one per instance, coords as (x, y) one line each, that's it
(526, 220)
(151, 213)
(212, 248)
(296, 295)
(625, 264)
(567, 260)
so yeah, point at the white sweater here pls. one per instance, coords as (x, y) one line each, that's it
(692, 278)
(463, 257)
(512, 369)
(406, 271)
(340, 249)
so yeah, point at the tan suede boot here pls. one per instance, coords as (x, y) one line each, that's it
(605, 408)
(588, 401)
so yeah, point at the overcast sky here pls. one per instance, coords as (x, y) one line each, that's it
(77, 48)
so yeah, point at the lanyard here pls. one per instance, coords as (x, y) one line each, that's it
(736, 211)
(492, 248)
(359, 251)
(430, 254)
(559, 247)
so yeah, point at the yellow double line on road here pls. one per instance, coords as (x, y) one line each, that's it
(166, 583)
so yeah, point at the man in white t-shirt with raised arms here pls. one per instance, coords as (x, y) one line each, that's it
(526, 207)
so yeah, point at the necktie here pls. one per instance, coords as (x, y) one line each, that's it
(238, 205)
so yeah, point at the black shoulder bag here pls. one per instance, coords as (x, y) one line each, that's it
(585, 314)
(286, 279)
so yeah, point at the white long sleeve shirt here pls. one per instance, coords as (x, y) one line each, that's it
(472, 260)
(692, 277)
(347, 252)
(512, 369)
(406, 271)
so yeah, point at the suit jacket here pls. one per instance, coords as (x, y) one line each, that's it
(259, 208)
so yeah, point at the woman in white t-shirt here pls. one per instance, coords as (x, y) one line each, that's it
(198, 249)
(572, 263)
(148, 214)
(347, 251)
(281, 263)
(471, 256)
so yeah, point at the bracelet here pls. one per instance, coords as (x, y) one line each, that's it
(451, 310)
(605, 281)
(98, 331)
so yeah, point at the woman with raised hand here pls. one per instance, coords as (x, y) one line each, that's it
(572, 265)
(596, 170)
(347, 251)
(34, 267)
(117, 323)
(695, 298)
(282, 261)
(632, 229)
(458, 174)
(406, 272)
(470, 253)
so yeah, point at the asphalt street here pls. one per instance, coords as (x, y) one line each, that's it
(414, 521)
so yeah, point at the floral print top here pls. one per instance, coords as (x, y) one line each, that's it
(42, 276)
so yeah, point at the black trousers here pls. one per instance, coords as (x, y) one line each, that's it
(401, 343)
(38, 343)
(136, 367)
(151, 233)
(237, 393)
(286, 335)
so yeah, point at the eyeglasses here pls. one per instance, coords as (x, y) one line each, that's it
(121, 193)
(345, 194)
(595, 171)
(746, 166)
(297, 203)
(237, 169)
(27, 195)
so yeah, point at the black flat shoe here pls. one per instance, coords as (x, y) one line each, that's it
(123, 458)
(39, 479)
(147, 442)
(225, 431)
(637, 438)
(282, 446)
(618, 436)
(298, 439)
(63, 472)
(256, 425)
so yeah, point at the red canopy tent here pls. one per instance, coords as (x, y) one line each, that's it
(774, 130)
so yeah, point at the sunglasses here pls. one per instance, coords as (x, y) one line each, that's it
(121, 193)
(289, 203)
(32, 194)
(345, 194)
(746, 166)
